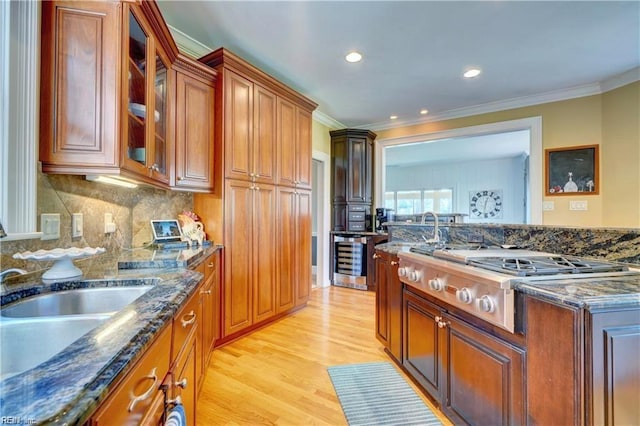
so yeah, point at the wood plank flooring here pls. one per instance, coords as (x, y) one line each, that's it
(278, 375)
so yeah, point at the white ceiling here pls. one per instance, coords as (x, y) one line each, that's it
(416, 51)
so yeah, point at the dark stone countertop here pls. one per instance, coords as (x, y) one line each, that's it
(622, 292)
(67, 388)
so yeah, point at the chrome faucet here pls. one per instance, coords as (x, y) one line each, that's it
(9, 271)
(436, 231)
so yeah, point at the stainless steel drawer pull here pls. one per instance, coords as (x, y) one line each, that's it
(185, 322)
(148, 393)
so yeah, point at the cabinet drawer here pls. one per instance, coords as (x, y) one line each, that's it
(358, 208)
(134, 397)
(356, 226)
(210, 266)
(356, 216)
(184, 322)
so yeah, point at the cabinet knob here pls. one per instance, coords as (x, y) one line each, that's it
(375, 255)
(182, 383)
(205, 292)
(393, 262)
(180, 178)
(210, 265)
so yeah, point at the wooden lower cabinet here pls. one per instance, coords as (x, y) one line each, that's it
(477, 378)
(582, 365)
(294, 247)
(388, 303)
(250, 265)
(186, 377)
(136, 397)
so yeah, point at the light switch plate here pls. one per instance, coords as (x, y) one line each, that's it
(109, 225)
(76, 225)
(50, 226)
(548, 206)
(578, 205)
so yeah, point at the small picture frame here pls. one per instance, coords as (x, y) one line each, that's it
(166, 230)
(572, 171)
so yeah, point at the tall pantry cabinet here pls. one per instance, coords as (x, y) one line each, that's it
(263, 214)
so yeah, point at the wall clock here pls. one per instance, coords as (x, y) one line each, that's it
(486, 204)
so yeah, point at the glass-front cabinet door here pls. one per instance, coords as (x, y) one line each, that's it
(145, 129)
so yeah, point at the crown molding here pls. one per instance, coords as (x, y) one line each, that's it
(525, 101)
(620, 80)
(325, 120)
(188, 45)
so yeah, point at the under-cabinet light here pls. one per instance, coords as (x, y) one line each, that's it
(111, 181)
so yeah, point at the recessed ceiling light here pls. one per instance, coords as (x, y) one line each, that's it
(393, 117)
(424, 111)
(353, 57)
(470, 73)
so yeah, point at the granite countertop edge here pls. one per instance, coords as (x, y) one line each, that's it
(70, 386)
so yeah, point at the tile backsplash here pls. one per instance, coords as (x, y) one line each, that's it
(132, 209)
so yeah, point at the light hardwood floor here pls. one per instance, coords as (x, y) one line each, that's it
(278, 375)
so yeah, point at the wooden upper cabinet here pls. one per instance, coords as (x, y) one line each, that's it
(267, 125)
(264, 136)
(108, 96)
(195, 148)
(80, 74)
(146, 142)
(294, 145)
(238, 122)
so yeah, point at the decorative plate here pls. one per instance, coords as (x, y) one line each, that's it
(63, 269)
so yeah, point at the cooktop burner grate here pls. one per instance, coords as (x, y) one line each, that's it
(545, 265)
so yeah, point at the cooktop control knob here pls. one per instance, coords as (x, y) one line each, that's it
(403, 271)
(464, 295)
(486, 304)
(436, 284)
(415, 276)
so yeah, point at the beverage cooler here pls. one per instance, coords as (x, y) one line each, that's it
(350, 262)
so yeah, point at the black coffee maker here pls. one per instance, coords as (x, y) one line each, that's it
(383, 215)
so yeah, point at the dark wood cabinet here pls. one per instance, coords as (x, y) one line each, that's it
(477, 378)
(352, 179)
(421, 352)
(582, 365)
(482, 376)
(388, 303)
(613, 372)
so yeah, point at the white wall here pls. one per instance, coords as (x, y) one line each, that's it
(506, 174)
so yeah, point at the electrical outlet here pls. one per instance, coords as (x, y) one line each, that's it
(548, 205)
(50, 226)
(76, 225)
(578, 205)
(109, 225)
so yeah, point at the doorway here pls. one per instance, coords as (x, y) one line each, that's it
(320, 218)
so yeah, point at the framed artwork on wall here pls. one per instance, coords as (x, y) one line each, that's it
(572, 170)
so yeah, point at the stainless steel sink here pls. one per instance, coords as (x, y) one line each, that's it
(104, 300)
(27, 343)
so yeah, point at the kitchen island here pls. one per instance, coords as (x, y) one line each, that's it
(69, 387)
(571, 359)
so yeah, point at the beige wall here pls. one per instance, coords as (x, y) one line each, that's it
(320, 138)
(610, 120)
